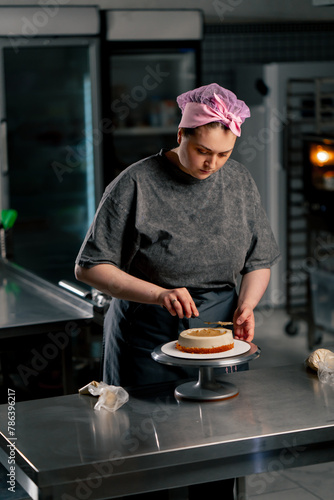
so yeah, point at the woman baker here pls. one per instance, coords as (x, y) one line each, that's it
(172, 234)
(170, 237)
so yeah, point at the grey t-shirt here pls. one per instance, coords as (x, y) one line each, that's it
(165, 226)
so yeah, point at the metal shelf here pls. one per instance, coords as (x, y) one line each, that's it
(315, 91)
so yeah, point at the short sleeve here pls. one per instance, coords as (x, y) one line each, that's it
(263, 251)
(110, 238)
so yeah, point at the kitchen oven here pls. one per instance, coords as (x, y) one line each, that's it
(319, 177)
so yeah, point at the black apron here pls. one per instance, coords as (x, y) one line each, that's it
(132, 331)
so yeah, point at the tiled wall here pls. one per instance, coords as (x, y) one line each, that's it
(225, 46)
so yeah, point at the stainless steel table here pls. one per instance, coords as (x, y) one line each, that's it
(31, 307)
(30, 304)
(283, 417)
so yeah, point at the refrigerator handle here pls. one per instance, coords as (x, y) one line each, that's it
(4, 155)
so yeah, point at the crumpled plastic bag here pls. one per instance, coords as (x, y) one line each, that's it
(111, 397)
(322, 361)
(326, 369)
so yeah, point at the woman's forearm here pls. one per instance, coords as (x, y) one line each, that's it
(121, 285)
(253, 286)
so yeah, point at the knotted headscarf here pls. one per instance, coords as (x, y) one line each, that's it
(212, 103)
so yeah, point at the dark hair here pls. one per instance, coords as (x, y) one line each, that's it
(191, 131)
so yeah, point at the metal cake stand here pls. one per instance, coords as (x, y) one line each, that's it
(206, 388)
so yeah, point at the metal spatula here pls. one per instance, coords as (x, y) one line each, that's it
(218, 323)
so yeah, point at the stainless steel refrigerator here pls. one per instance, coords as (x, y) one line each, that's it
(51, 166)
(148, 58)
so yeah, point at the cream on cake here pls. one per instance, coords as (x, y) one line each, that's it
(205, 340)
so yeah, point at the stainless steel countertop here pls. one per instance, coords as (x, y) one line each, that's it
(282, 417)
(27, 301)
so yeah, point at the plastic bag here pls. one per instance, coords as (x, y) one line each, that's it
(313, 360)
(326, 368)
(111, 397)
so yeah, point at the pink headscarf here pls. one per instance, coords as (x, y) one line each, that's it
(212, 103)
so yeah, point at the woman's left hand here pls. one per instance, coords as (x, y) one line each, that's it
(244, 323)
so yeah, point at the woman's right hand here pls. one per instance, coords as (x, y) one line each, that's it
(117, 283)
(178, 302)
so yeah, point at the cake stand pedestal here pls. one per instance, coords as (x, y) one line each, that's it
(206, 388)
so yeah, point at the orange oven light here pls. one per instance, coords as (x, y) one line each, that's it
(322, 155)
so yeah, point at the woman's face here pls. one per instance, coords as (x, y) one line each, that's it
(205, 152)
